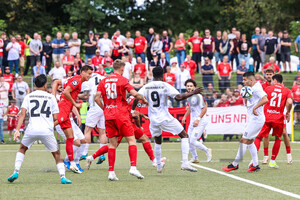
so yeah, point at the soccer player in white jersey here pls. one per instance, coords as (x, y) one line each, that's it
(157, 93)
(197, 108)
(256, 120)
(95, 116)
(43, 109)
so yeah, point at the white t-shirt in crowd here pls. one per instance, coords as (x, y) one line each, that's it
(196, 103)
(58, 73)
(14, 52)
(127, 70)
(104, 45)
(258, 94)
(120, 39)
(181, 77)
(3, 105)
(20, 89)
(74, 49)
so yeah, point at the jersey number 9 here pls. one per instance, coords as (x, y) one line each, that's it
(155, 99)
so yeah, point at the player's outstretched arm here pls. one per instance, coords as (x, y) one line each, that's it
(98, 100)
(262, 102)
(180, 97)
(20, 122)
(288, 105)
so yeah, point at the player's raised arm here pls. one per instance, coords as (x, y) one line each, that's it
(180, 97)
(20, 122)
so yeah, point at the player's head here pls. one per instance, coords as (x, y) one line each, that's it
(86, 72)
(158, 73)
(190, 85)
(41, 82)
(249, 78)
(268, 75)
(118, 66)
(277, 79)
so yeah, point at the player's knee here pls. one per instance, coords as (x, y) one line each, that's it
(144, 139)
(183, 134)
(23, 149)
(83, 141)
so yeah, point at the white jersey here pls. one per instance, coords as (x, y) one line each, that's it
(40, 106)
(91, 86)
(258, 94)
(157, 93)
(196, 103)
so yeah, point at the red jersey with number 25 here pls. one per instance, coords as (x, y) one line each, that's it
(113, 90)
(74, 83)
(277, 96)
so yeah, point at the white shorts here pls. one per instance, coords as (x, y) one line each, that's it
(95, 117)
(76, 131)
(172, 126)
(48, 140)
(196, 132)
(253, 128)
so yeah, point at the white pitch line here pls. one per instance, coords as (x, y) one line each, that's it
(249, 181)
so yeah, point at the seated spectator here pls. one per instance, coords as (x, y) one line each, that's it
(240, 71)
(137, 82)
(67, 60)
(89, 63)
(70, 74)
(108, 68)
(106, 59)
(128, 68)
(174, 67)
(163, 62)
(9, 78)
(154, 62)
(38, 69)
(210, 100)
(181, 76)
(76, 67)
(207, 71)
(96, 60)
(236, 99)
(141, 67)
(259, 78)
(224, 102)
(57, 72)
(169, 77)
(209, 89)
(124, 50)
(100, 70)
(79, 60)
(190, 65)
(116, 46)
(224, 74)
(296, 78)
(272, 65)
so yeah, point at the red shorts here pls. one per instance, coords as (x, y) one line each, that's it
(63, 117)
(119, 127)
(12, 123)
(277, 129)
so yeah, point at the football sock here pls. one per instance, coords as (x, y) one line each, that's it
(78, 154)
(257, 143)
(185, 148)
(75, 148)
(240, 154)
(19, 160)
(132, 150)
(86, 148)
(111, 159)
(275, 149)
(199, 145)
(193, 152)
(288, 149)
(253, 152)
(266, 151)
(148, 150)
(61, 169)
(100, 151)
(69, 148)
(157, 152)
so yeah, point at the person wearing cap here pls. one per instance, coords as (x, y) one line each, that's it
(240, 71)
(120, 37)
(14, 51)
(58, 45)
(140, 46)
(174, 67)
(19, 90)
(74, 44)
(286, 44)
(5, 53)
(105, 44)
(207, 71)
(96, 60)
(90, 46)
(108, 68)
(236, 99)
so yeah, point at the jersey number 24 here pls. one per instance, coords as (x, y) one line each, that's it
(44, 110)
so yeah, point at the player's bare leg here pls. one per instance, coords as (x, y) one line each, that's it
(185, 148)
(275, 152)
(286, 140)
(69, 149)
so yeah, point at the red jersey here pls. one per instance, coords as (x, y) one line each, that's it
(223, 104)
(140, 44)
(75, 84)
(208, 43)
(196, 44)
(191, 66)
(142, 68)
(275, 67)
(180, 42)
(277, 96)
(115, 51)
(96, 60)
(105, 60)
(113, 90)
(224, 69)
(23, 47)
(102, 73)
(238, 101)
(13, 110)
(265, 85)
(67, 58)
(9, 78)
(296, 93)
(170, 78)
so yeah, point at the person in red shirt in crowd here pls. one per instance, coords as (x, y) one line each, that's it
(224, 102)
(9, 78)
(208, 45)
(100, 70)
(96, 60)
(236, 99)
(169, 77)
(140, 46)
(224, 74)
(195, 44)
(142, 68)
(296, 99)
(279, 98)
(106, 59)
(268, 76)
(11, 113)
(22, 56)
(116, 46)
(180, 49)
(271, 65)
(190, 65)
(67, 60)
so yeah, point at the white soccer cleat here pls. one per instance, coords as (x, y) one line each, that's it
(188, 167)
(208, 155)
(160, 167)
(134, 172)
(154, 164)
(89, 161)
(112, 176)
(74, 168)
(289, 158)
(265, 160)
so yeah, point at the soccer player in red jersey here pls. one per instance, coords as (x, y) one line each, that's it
(279, 98)
(12, 112)
(268, 76)
(67, 100)
(117, 121)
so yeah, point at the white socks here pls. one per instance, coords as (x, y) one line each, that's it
(157, 153)
(86, 148)
(253, 152)
(240, 154)
(193, 151)
(19, 160)
(79, 153)
(185, 149)
(61, 169)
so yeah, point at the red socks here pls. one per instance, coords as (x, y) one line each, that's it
(266, 151)
(288, 149)
(111, 159)
(149, 151)
(132, 150)
(257, 143)
(69, 148)
(100, 152)
(275, 149)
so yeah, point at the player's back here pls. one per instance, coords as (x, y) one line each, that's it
(41, 106)
(91, 86)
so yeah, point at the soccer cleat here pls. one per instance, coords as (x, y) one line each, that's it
(273, 165)
(74, 168)
(112, 176)
(188, 167)
(64, 180)
(13, 177)
(78, 166)
(289, 159)
(250, 164)
(230, 167)
(101, 159)
(134, 172)
(67, 164)
(89, 161)
(160, 167)
(194, 161)
(208, 155)
(265, 160)
(162, 160)
(83, 157)
(254, 168)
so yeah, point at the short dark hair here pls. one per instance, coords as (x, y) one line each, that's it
(278, 78)
(190, 81)
(86, 68)
(158, 72)
(270, 70)
(248, 74)
(40, 80)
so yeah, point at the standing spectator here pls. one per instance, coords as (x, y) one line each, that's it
(1, 53)
(271, 46)
(14, 50)
(167, 45)
(226, 46)
(163, 62)
(297, 46)
(235, 54)
(57, 72)
(90, 46)
(286, 44)
(124, 50)
(127, 69)
(5, 52)
(244, 49)
(261, 45)
(4, 90)
(182, 75)
(74, 44)
(236, 99)
(116, 46)
(67, 39)
(47, 52)
(22, 56)
(67, 61)
(38, 69)
(141, 67)
(150, 38)
(120, 37)
(218, 40)
(174, 67)
(130, 44)
(255, 47)
(9, 78)
(105, 44)
(3, 106)
(208, 45)
(190, 65)
(140, 45)
(169, 77)
(19, 90)
(278, 54)
(97, 59)
(224, 74)
(180, 49)
(137, 82)
(207, 71)
(296, 99)
(58, 45)
(156, 46)
(27, 50)
(97, 36)
(195, 44)
(272, 65)
(240, 72)
(232, 35)
(36, 47)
